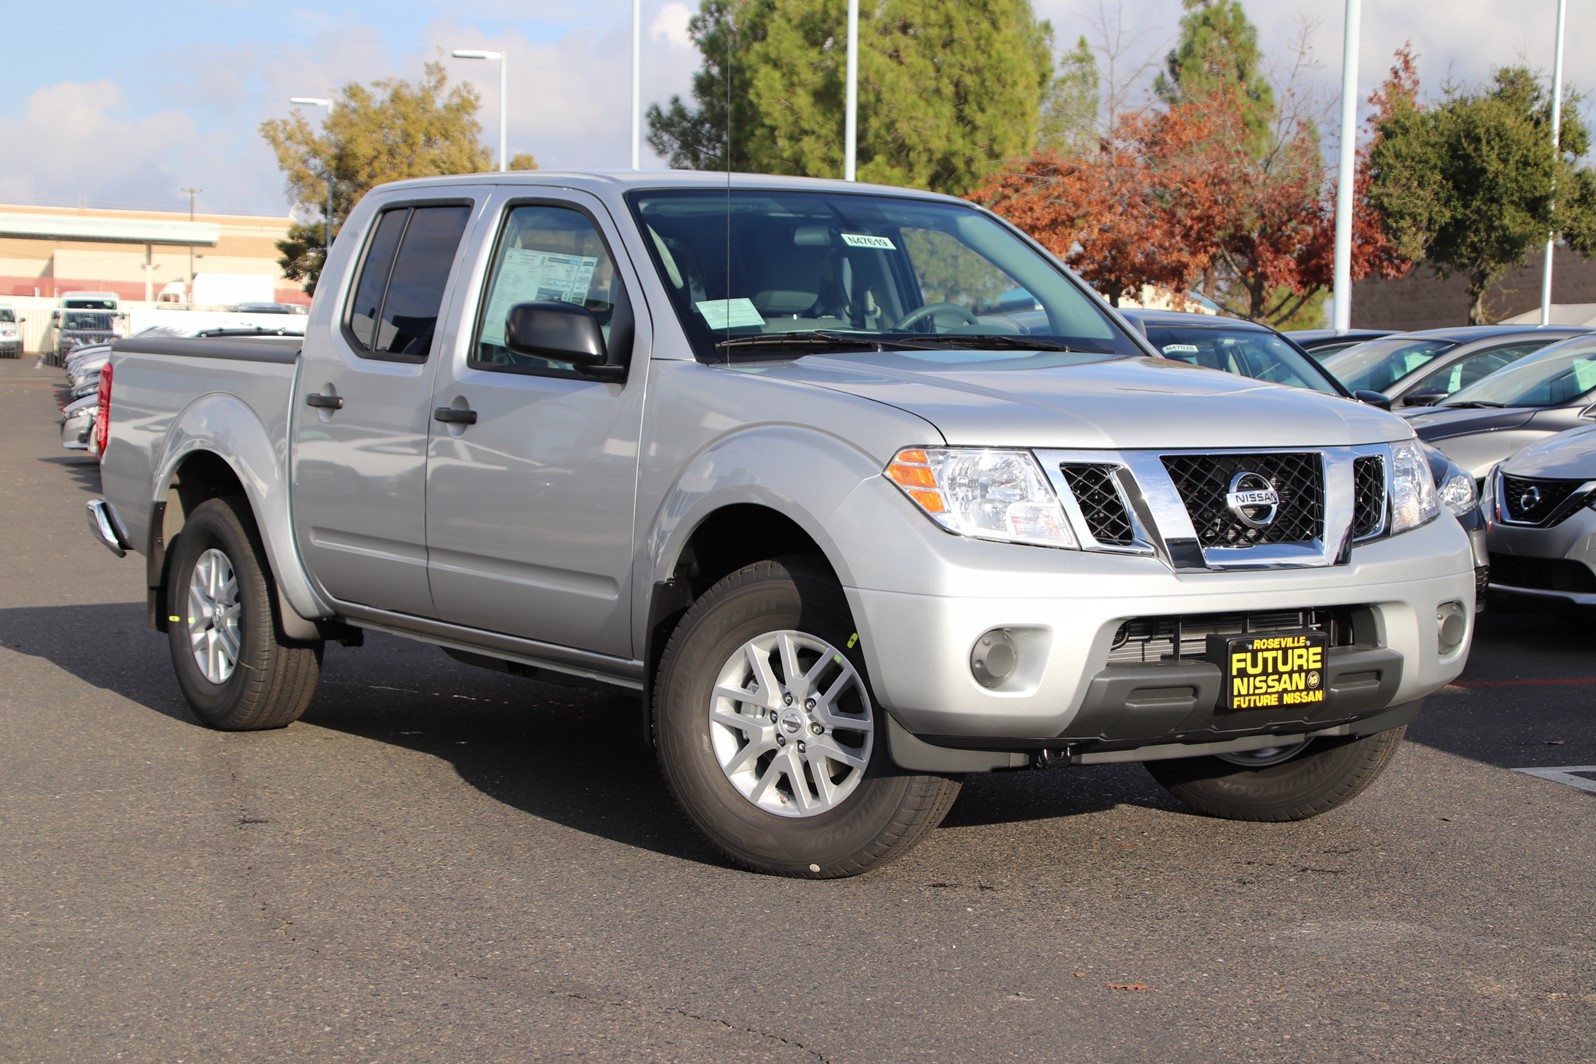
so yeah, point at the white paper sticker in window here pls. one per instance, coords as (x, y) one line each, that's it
(730, 313)
(862, 240)
(1180, 349)
(528, 276)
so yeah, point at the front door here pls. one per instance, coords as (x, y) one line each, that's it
(530, 506)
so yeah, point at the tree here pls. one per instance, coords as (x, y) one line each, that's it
(1069, 110)
(394, 130)
(1218, 53)
(1472, 184)
(946, 91)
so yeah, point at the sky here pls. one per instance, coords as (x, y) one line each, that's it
(115, 104)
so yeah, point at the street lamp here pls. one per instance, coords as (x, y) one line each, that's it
(191, 193)
(327, 219)
(504, 99)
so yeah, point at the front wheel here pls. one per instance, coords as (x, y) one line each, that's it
(1292, 781)
(236, 672)
(768, 735)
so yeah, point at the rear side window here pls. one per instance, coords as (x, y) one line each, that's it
(394, 311)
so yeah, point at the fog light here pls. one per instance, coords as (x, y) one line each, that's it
(1451, 621)
(994, 658)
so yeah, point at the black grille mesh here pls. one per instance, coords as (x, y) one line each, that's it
(1203, 480)
(1542, 574)
(1368, 506)
(1153, 639)
(1100, 502)
(1533, 502)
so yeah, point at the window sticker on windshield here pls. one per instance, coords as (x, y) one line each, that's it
(730, 313)
(861, 240)
(528, 276)
(1180, 349)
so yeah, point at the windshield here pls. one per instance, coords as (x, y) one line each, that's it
(1248, 352)
(785, 273)
(1378, 364)
(1554, 376)
(6, 314)
(89, 304)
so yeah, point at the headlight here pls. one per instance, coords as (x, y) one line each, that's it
(986, 494)
(1457, 491)
(1413, 496)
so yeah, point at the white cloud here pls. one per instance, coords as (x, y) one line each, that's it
(670, 25)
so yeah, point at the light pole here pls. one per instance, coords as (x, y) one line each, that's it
(504, 99)
(326, 221)
(192, 192)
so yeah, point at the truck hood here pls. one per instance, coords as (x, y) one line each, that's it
(1568, 455)
(1066, 400)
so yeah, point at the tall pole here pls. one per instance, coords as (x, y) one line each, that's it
(504, 96)
(637, 82)
(850, 127)
(1346, 174)
(327, 176)
(1557, 116)
(192, 192)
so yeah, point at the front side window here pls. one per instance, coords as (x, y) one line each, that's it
(1561, 373)
(394, 311)
(774, 272)
(543, 254)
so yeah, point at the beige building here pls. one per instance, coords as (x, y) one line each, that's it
(45, 251)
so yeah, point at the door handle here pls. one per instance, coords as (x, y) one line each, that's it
(454, 416)
(325, 402)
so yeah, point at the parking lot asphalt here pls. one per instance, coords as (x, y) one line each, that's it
(441, 863)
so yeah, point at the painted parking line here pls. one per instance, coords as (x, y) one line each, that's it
(1571, 681)
(1581, 776)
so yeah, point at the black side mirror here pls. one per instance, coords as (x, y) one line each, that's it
(567, 333)
(1424, 398)
(1379, 399)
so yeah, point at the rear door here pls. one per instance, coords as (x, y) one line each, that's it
(530, 506)
(363, 409)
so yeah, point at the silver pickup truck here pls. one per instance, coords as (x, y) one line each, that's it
(856, 487)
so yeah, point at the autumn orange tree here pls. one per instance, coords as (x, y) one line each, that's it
(1181, 192)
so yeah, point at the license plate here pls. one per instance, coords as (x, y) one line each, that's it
(1277, 670)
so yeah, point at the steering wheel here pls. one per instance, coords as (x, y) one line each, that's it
(936, 314)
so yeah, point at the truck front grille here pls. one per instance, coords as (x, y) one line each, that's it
(1203, 480)
(1368, 506)
(1094, 489)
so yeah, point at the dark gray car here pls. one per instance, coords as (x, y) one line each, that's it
(1543, 525)
(1542, 394)
(1422, 368)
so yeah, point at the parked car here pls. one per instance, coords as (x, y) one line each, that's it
(10, 332)
(1536, 397)
(1321, 343)
(77, 422)
(1257, 351)
(1543, 526)
(1422, 368)
(1234, 345)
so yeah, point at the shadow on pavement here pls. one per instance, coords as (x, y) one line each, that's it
(570, 755)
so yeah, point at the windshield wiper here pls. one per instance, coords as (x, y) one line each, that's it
(818, 339)
(982, 341)
(1476, 404)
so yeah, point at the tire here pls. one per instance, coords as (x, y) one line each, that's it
(768, 735)
(236, 672)
(1279, 783)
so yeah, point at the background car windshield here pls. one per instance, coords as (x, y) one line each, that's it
(1377, 364)
(1559, 374)
(775, 265)
(1249, 352)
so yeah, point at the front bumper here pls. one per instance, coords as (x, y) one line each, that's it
(1545, 567)
(1063, 610)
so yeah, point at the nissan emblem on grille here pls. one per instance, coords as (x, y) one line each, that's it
(1253, 499)
(1529, 500)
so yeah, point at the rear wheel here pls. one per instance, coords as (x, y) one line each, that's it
(1293, 781)
(769, 737)
(235, 671)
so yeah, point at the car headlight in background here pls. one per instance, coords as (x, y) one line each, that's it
(1414, 499)
(1457, 491)
(988, 494)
